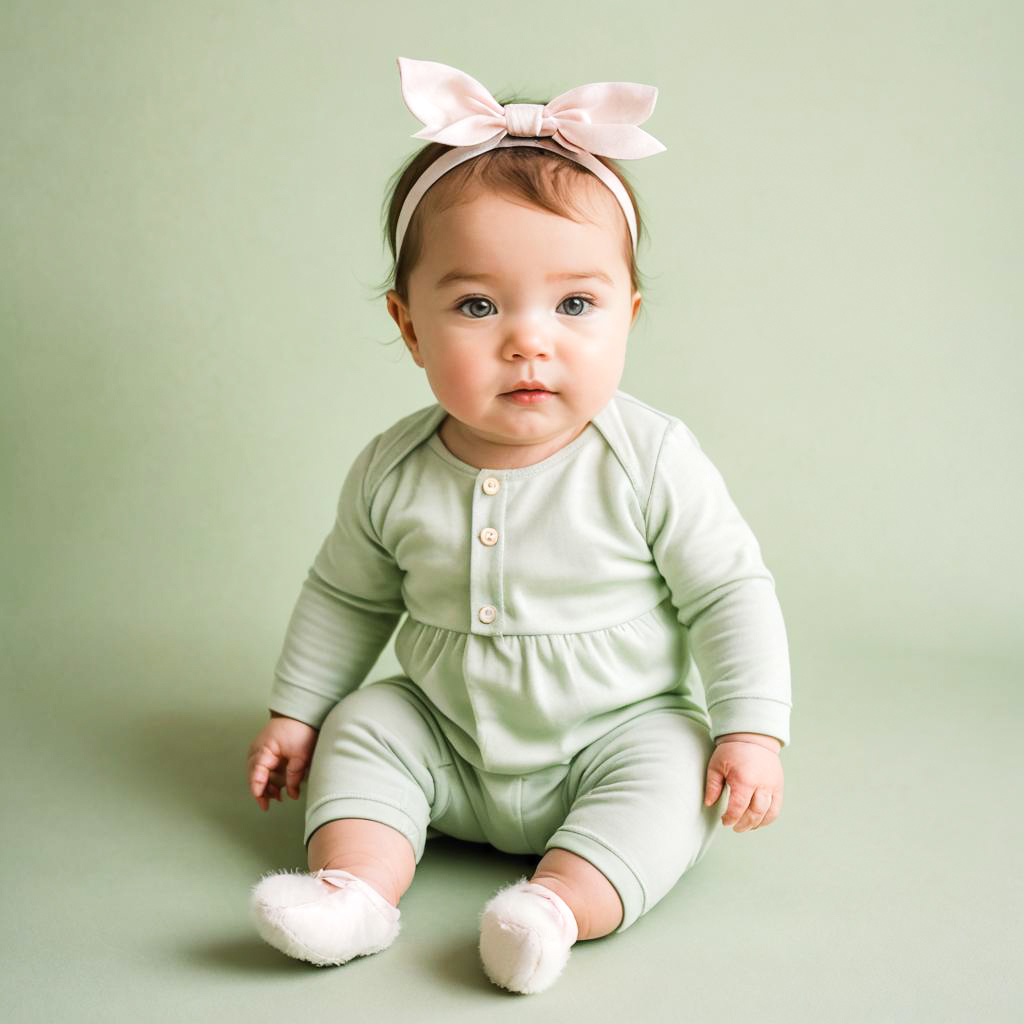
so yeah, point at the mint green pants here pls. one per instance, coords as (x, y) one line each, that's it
(630, 803)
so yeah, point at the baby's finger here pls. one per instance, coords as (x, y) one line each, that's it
(294, 774)
(760, 802)
(739, 800)
(773, 811)
(713, 786)
(261, 798)
(261, 764)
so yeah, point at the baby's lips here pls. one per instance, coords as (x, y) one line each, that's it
(527, 385)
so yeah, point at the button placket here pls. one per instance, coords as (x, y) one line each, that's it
(485, 564)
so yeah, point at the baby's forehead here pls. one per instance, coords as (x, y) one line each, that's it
(471, 211)
(582, 194)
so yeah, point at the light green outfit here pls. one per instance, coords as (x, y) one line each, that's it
(552, 612)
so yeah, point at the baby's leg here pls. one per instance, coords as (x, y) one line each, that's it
(637, 820)
(636, 823)
(378, 854)
(593, 900)
(371, 793)
(376, 778)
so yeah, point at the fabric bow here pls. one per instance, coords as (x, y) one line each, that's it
(599, 118)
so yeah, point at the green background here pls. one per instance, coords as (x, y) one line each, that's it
(192, 356)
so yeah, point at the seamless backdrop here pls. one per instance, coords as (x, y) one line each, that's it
(191, 355)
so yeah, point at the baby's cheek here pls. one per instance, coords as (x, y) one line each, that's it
(599, 375)
(464, 383)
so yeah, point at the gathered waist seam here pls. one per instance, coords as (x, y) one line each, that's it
(580, 632)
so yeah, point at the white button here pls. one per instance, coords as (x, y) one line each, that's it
(488, 613)
(489, 536)
(491, 485)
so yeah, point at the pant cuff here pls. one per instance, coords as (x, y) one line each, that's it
(622, 876)
(335, 807)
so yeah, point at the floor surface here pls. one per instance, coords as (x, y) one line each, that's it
(887, 891)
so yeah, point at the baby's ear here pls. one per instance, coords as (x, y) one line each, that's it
(637, 302)
(400, 314)
(414, 350)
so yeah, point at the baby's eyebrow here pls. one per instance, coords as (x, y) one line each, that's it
(569, 275)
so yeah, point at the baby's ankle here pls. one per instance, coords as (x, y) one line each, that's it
(375, 853)
(374, 873)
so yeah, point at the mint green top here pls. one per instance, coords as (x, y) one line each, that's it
(544, 605)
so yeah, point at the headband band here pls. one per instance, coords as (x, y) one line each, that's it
(600, 118)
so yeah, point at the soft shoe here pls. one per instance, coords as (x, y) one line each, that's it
(325, 924)
(526, 932)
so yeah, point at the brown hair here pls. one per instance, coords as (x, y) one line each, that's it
(538, 176)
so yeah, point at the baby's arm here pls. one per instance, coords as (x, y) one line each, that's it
(349, 606)
(347, 610)
(725, 598)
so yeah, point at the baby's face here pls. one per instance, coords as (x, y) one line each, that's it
(507, 297)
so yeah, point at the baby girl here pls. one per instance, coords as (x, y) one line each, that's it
(561, 557)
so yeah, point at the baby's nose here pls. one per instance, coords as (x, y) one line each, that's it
(527, 342)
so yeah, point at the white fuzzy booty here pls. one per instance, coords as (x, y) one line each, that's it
(526, 933)
(301, 916)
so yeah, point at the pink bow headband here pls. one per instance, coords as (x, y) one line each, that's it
(600, 118)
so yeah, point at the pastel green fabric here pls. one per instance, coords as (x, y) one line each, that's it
(541, 607)
(631, 803)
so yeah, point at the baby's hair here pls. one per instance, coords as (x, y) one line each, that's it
(537, 176)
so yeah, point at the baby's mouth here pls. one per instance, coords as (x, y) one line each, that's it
(527, 387)
(529, 396)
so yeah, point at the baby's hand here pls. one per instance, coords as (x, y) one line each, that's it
(754, 775)
(282, 742)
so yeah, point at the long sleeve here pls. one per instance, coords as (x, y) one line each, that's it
(348, 607)
(723, 593)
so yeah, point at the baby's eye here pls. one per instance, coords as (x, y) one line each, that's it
(479, 307)
(575, 310)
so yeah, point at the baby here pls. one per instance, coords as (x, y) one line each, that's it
(556, 551)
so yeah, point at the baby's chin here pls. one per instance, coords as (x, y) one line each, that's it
(540, 431)
(513, 425)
